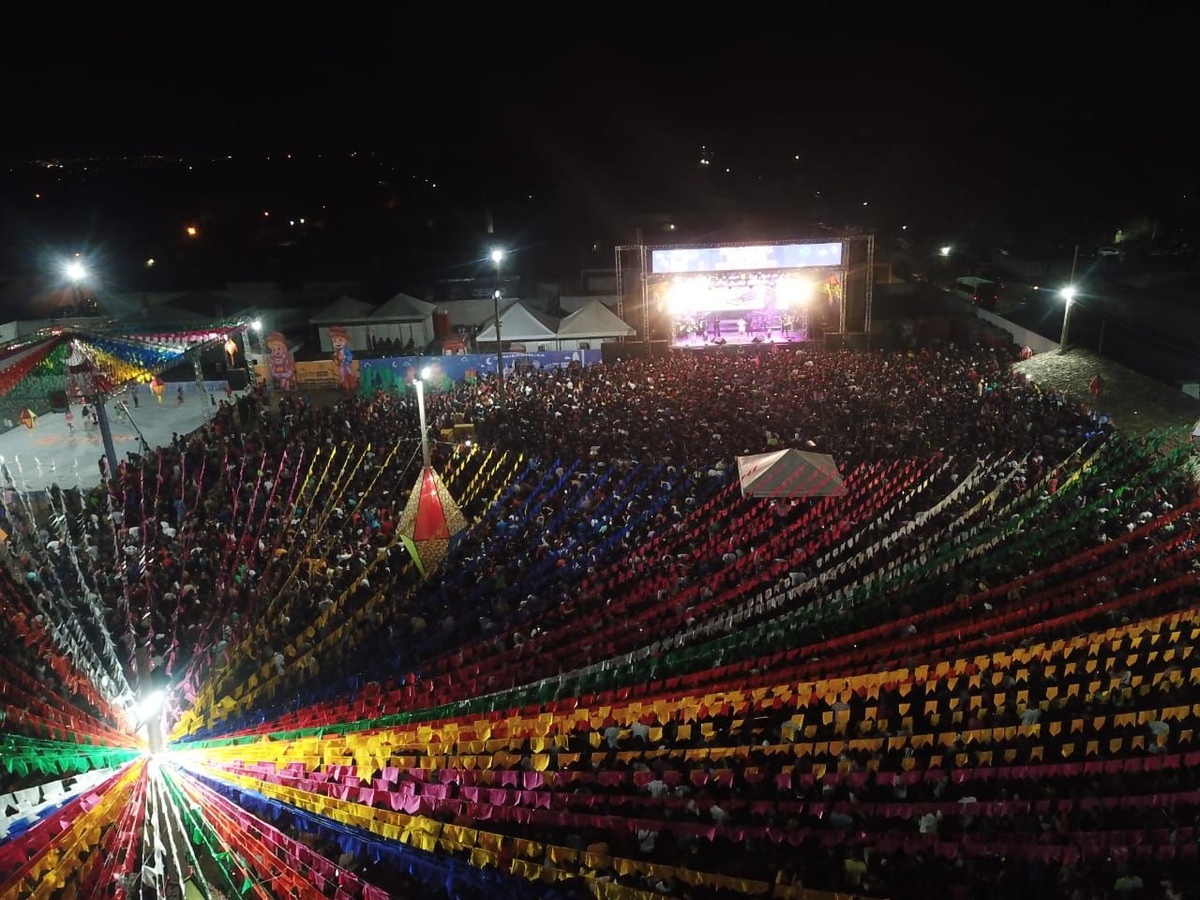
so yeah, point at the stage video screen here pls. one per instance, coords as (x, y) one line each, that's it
(747, 307)
(686, 260)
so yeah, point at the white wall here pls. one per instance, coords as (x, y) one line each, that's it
(1023, 337)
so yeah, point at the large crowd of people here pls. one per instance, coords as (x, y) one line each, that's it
(256, 571)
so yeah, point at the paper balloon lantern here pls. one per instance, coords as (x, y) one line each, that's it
(231, 349)
(28, 418)
(158, 387)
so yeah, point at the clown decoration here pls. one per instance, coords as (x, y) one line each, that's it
(280, 361)
(343, 359)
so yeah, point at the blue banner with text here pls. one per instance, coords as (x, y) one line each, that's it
(393, 374)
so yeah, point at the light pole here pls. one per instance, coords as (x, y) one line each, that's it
(420, 386)
(497, 259)
(254, 325)
(1068, 295)
(77, 273)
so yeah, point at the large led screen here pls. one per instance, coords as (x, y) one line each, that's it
(681, 260)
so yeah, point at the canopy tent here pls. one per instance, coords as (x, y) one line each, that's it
(592, 322)
(520, 324)
(345, 310)
(349, 314)
(789, 473)
(403, 319)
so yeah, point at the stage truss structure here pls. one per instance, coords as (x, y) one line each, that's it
(633, 277)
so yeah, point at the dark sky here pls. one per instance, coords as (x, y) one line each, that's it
(1079, 116)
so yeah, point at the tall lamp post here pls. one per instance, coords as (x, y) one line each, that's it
(1068, 295)
(420, 386)
(497, 259)
(77, 274)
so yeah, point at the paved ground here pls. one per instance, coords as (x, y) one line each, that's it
(1135, 402)
(52, 453)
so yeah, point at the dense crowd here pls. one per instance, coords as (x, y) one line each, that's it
(213, 557)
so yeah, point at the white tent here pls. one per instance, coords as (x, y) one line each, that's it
(403, 319)
(594, 322)
(345, 312)
(519, 324)
(789, 473)
(1196, 435)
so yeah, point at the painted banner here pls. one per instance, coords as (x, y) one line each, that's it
(280, 362)
(343, 359)
(323, 373)
(394, 373)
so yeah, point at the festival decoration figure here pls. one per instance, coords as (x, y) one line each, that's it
(343, 358)
(280, 361)
(430, 519)
(157, 386)
(28, 418)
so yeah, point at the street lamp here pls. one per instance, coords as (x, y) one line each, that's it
(420, 386)
(76, 272)
(1068, 295)
(497, 259)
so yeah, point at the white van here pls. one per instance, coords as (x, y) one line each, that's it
(979, 291)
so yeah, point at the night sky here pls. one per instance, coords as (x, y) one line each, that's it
(1075, 124)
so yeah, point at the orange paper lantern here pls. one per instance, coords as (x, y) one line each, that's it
(28, 418)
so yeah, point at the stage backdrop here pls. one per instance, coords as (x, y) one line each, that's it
(393, 373)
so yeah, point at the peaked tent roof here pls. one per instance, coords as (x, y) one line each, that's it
(403, 308)
(789, 473)
(594, 321)
(345, 310)
(519, 324)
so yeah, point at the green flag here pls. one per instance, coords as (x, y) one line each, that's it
(411, 547)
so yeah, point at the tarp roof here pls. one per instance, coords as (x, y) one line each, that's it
(345, 310)
(789, 473)
(519, 324)
(403, 308)
(594, 321)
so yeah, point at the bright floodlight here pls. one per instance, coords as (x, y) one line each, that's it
(497, 256)
(946, 251)
(256, 324)
(684, 297)
(75, 271)
(425, 373)
(149, 706)
(795, 291)
(1068, 293)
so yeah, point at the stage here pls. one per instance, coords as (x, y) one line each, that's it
(738, 339)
